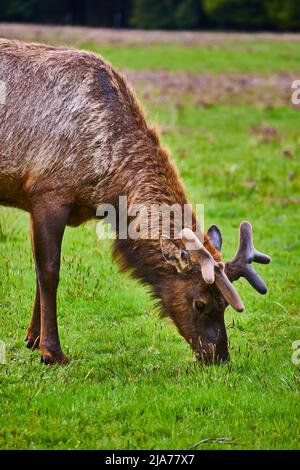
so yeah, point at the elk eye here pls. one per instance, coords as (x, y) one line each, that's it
(199, 305)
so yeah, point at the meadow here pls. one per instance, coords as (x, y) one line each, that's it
(224, 110)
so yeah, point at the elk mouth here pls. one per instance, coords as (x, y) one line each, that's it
(211, 356)
(212, 353)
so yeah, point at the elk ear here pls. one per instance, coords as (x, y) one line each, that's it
(215, 237)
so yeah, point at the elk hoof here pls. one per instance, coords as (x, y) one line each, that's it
(53, 357)
(32, 341)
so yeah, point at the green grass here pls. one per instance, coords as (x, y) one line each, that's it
(132, 382)
(245, 56)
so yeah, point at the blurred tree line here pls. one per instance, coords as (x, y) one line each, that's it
(278, 15)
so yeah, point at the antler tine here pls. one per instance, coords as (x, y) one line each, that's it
(193, 243)
(227, 289)
(241, 266)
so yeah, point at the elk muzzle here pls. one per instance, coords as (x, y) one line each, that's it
(213, 351)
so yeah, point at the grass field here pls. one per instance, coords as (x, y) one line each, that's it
(132, 382)
(230, 56)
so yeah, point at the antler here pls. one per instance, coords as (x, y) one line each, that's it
(227, 289)
(211, 270)
(192, 243)
(241, 266)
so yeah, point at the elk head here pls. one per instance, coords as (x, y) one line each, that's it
(197, 296)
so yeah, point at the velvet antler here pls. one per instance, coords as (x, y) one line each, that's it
(212, 271)
(241, 265)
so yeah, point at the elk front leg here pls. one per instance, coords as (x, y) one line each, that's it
(48, 224)
(33, 331)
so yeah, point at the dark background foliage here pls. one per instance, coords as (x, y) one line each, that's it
(249, 15)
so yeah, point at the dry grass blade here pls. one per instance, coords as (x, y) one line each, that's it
(210, 440)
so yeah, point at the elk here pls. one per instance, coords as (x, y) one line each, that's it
(72, 137)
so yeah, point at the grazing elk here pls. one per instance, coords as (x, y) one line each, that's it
(72, 137)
